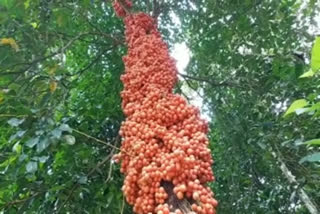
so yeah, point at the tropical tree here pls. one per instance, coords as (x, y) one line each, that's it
(247, 61)
(60, 105)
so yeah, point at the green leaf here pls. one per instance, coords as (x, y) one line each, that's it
(7, 3)
(310, 73)
(311, 158)
(62, 17)
(313, 142)
(83, 180)
(315, 55)
(15, 122)
(315, 107)
(34, 24)
(27, 4)
(296, 105)
(17, 148)
(19, 134)
(43, 159)
(22, 157)
(31, 166)
(3, 17)
(65, 127)
(302, 110)
(32, 142)
(56, 133)
(42, 145)
(70, 139)
(1, 97)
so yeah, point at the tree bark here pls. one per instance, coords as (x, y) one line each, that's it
(174, 203)
(292, 180)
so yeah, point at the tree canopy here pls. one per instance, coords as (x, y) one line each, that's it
(254, 64)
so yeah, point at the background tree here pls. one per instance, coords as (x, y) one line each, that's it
(247, 59)
(60, 67)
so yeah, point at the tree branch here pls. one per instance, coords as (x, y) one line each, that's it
(304, 197)
(61, 50)
(96, 139)
(190, 86)
(124, 6)
(174, 203)
(34, 62)
(116, 39)
(11, 203)
(94, 61)
(212, 82)
(122, 206)
(156, 11)
(13, 115)
(76, 185)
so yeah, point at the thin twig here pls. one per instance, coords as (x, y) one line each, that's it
(102, 142)
(30, 64)
(124, 6)
(122, 207)
(109, 173)
(96, 139)
(156, 11)
(186, 96)
(190, 86)
(100, 164)
(20, 201)
(111, 163)
(212, 82)
(13, 115)
(94, 61)
(76, 185)
(117, 39)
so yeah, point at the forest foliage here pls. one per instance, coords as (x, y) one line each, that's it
(254, 63)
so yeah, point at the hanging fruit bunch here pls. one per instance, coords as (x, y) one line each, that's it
(165, 156)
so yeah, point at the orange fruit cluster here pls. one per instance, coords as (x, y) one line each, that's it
(163, 138)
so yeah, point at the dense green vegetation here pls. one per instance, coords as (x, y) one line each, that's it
(60, 106)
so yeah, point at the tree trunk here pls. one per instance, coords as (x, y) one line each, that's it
(292, 180)
(174, 203)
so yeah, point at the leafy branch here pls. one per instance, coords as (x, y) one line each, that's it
(90, 173)
(94, 61)
(96, 139)
(212, 82)
(15, 202)
(60, 51)
(40, 59)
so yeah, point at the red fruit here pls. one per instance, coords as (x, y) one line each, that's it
(164, 138)
(194, 207)
(178, 211)
(180, 195)
(195, 196)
